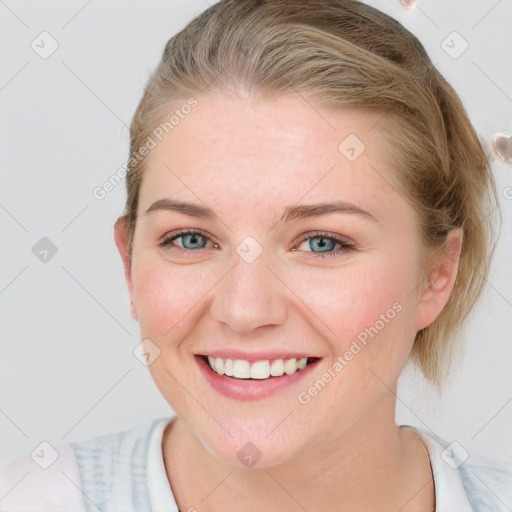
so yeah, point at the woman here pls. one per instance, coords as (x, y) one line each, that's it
(307, 209)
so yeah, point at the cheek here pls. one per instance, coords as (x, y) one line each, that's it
(166, 295)
(352, 298)
(365, 311)
(382, 313)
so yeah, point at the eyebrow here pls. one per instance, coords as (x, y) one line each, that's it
(302, 211)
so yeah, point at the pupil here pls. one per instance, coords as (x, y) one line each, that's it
(192, 238)
(323, 242)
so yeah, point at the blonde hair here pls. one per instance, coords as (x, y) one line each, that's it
(343, 53)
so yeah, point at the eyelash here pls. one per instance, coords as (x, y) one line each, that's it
(345, 246)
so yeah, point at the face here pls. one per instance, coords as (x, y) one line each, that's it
(261, 285)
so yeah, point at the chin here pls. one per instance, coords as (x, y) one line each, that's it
(251, 452)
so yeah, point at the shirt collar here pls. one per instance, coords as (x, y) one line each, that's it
(160, 494)
(449, 489)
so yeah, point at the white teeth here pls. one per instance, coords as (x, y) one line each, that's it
(242, 369)
(290, 366)
(219, 365)
(228, 367)
(277, 368)
(260, 370)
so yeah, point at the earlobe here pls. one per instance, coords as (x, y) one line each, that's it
(440, 282)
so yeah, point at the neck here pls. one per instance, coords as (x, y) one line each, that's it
(375, 465)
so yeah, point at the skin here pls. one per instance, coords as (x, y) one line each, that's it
(248, 159)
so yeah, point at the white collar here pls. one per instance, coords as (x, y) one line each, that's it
(449, 490)
(160, 494)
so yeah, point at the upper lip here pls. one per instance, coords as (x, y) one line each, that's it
(255, 356)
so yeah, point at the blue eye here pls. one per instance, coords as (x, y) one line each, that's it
(194, 240)
(189, 238)
(326, 243)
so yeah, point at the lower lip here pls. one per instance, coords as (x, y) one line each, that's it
(251, 389)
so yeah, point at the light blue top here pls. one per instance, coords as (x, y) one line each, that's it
(124, 471)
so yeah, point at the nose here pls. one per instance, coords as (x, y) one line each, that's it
(249, 296)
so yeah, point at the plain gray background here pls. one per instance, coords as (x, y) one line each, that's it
(67, 369)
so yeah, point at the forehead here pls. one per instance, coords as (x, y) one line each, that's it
(252, 154)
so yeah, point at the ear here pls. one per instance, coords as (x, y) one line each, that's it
(441, 280)
(121, 239)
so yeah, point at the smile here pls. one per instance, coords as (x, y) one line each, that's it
(241, 379)
(242, 369)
